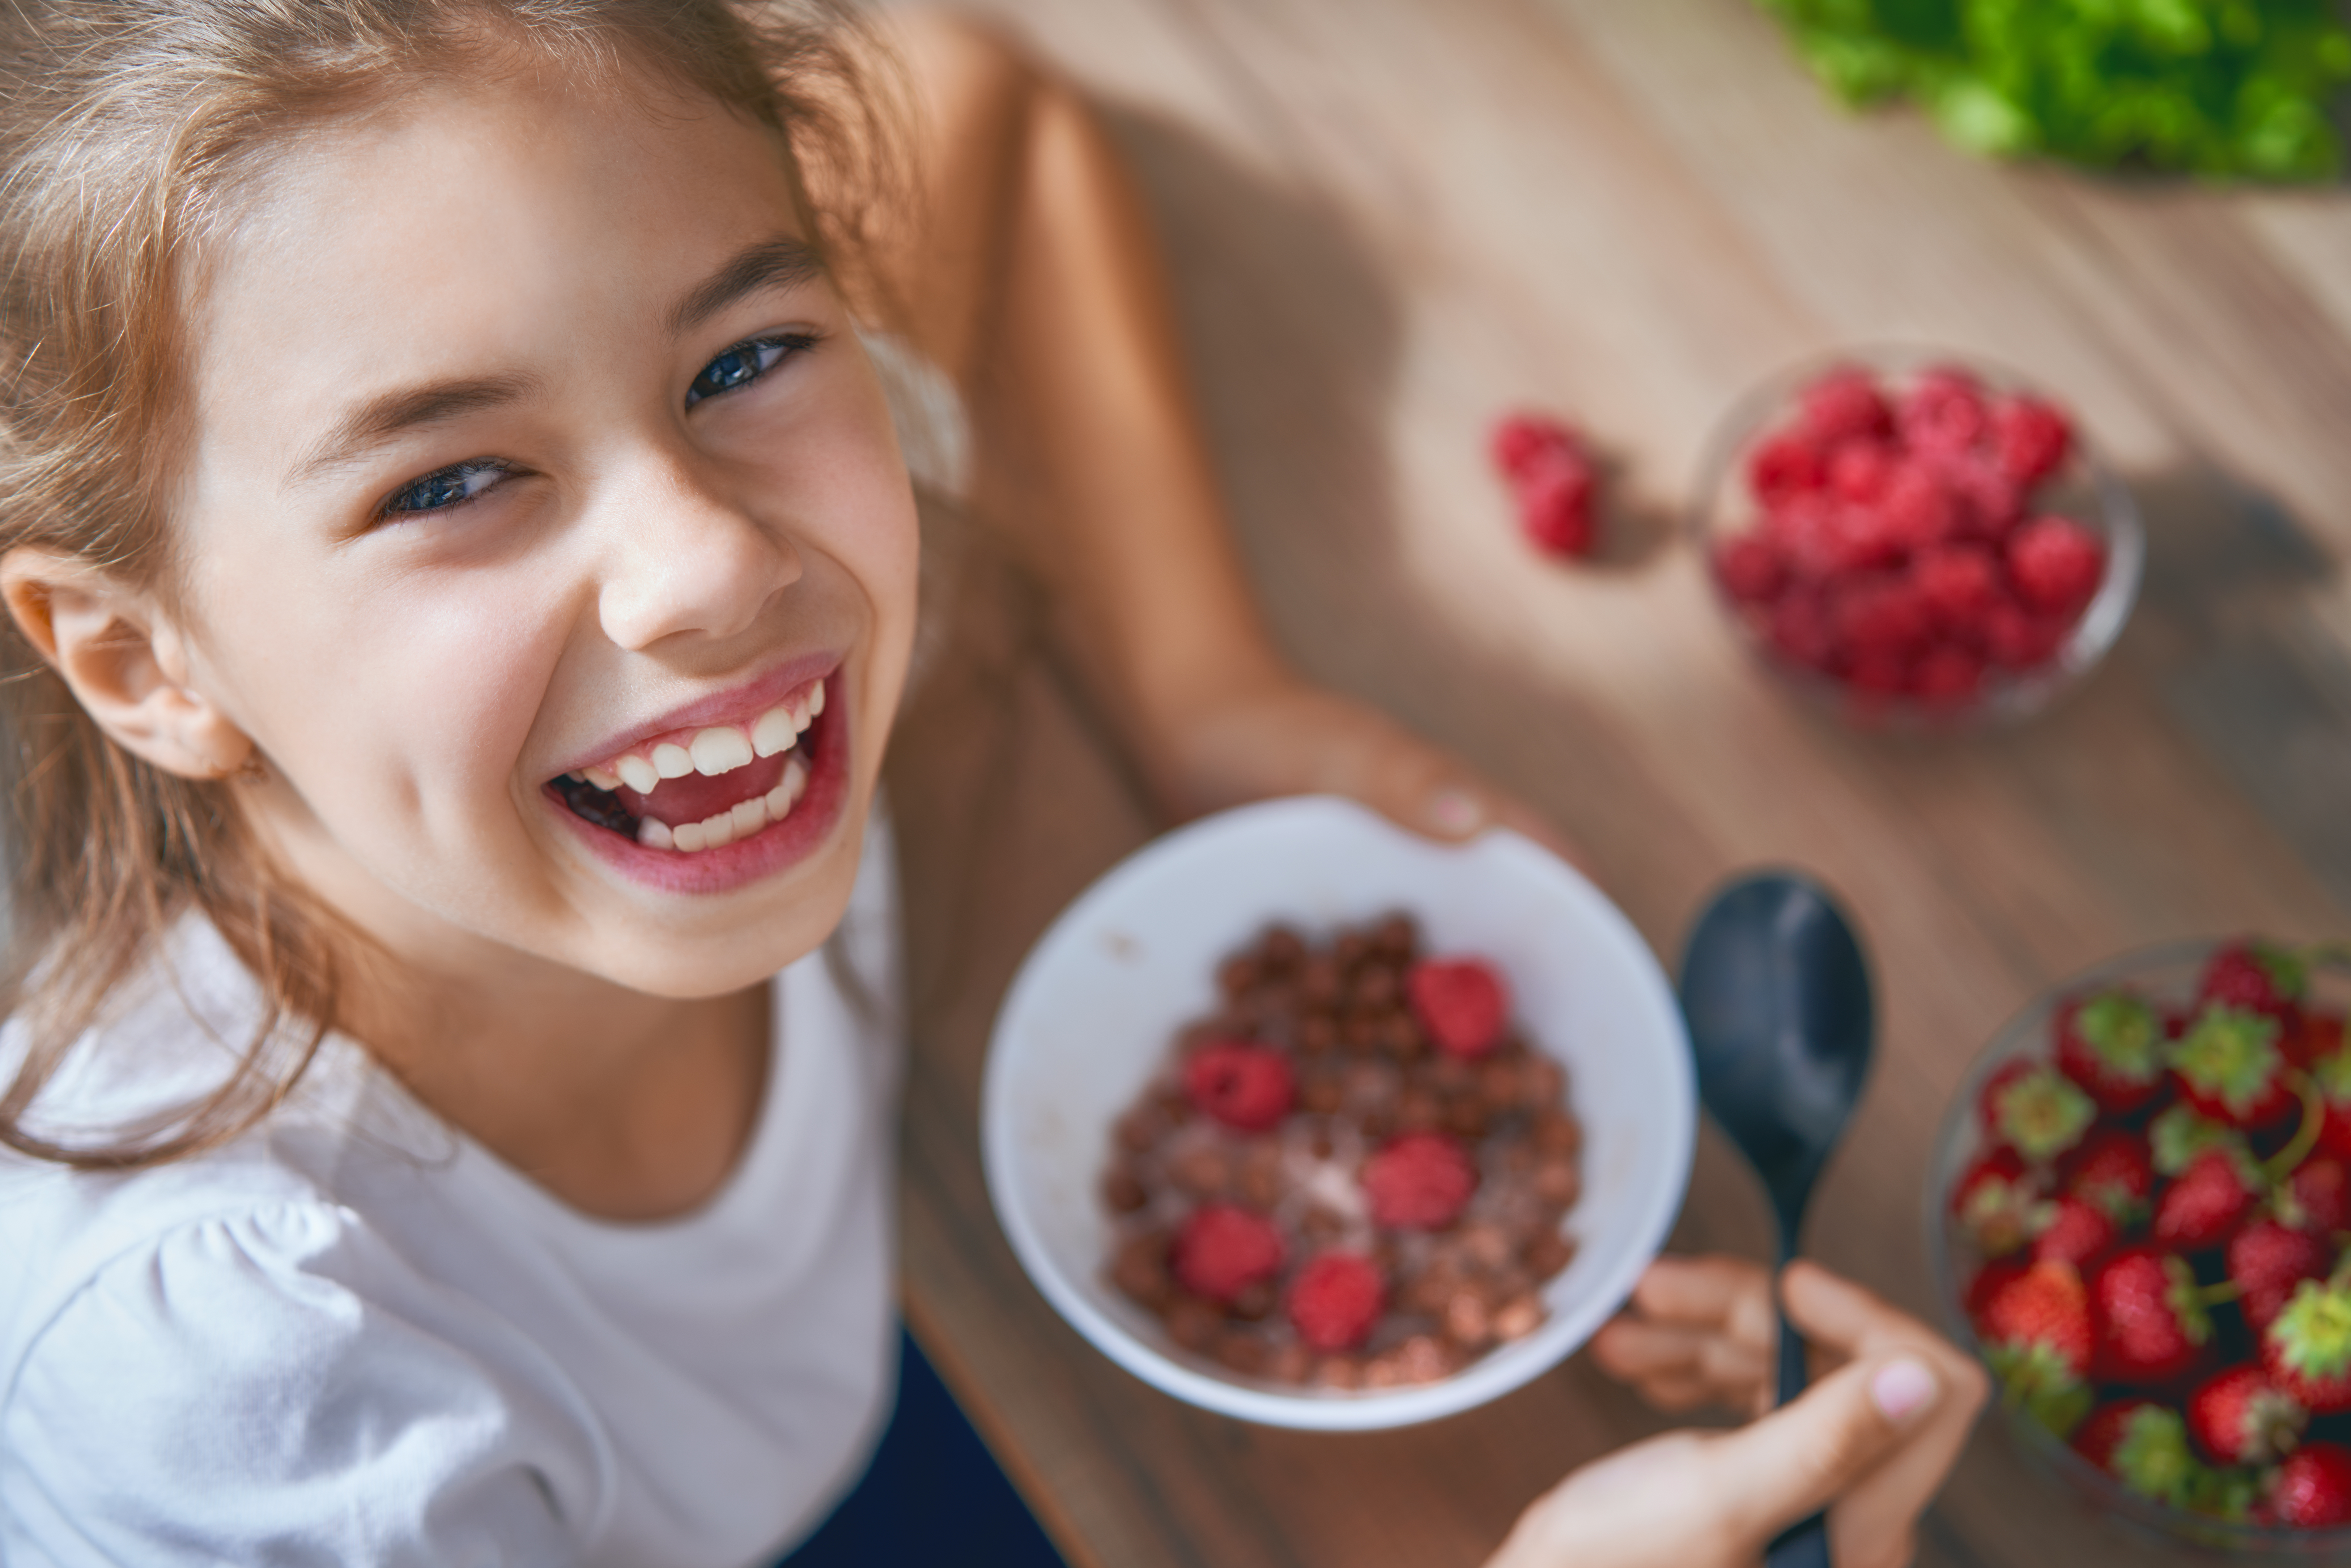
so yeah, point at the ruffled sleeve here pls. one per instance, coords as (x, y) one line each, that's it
(279, 1385)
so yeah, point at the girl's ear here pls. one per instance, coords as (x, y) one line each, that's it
(123, 660)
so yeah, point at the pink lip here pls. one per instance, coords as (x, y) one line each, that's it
(740, 705)
(764, 852)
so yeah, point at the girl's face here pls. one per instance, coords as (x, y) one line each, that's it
(545, 529)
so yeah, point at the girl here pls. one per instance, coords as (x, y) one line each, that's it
(461, 570)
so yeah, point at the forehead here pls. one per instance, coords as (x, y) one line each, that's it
(472, 224)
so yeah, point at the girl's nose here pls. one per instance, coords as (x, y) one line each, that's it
(684, 557)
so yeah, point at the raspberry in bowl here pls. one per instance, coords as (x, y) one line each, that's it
(1104, 1020)
(1915, 541)
(2139, 1202)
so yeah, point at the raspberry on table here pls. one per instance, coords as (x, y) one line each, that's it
(1555, 506)
(1521, 439)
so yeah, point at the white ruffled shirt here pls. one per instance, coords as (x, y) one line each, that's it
(355, 1336)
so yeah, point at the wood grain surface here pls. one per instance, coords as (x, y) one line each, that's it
(1392, 219)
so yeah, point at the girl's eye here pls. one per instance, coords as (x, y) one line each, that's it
(444, 487)
(744, 363)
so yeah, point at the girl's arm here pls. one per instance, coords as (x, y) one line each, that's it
(1032, 276)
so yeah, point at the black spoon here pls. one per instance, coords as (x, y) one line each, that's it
(1776, 993)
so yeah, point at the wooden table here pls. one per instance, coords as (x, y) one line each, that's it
(1391, 219)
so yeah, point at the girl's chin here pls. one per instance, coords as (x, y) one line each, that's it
(815, 821)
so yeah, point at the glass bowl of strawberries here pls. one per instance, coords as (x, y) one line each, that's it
(2140, 1208)
(1915, 541)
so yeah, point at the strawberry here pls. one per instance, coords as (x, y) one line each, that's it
(2313, 1487)
(2231, 1066)
(1993, 1203)
(2321, 1037)
(2112, 1045)
(2150, 1322)
(2210, 1199)
(1223, 1250)
(1420, 1181)
(1336, 1300)
(2038, 1112)
(2113, 1170)
(2306, 1349)
(2035, 1330)
(2256, 975)
(2238, 1417)
(2144, 1445)
(1460, 1002)
(2070, 1231)
(2268, 1262)
(1991, 1280)
(2330, 1073)
(2316, 1197)
(1247, 1087)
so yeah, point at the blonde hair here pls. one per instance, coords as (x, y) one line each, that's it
(128, 131)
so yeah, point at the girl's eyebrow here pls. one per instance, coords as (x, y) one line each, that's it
(403, 409)
(782, 261)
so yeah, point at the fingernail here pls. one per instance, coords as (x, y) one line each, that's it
(1902, 1388)
(1456, 811)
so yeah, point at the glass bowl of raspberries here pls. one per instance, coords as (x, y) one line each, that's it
(2141, 1202)
(1915, 541)
(1311, 1121)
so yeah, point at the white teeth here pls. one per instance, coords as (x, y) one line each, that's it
(774, 732)
(604, 778)
(690, 837)
(800, 718)
(778, 802)
(816, 701)
(750, 816)
(671, 761)
(655, 835)
(637, 773)
(796, 777)
(718, 830)
(717, 751)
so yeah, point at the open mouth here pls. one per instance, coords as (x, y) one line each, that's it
(703, 789)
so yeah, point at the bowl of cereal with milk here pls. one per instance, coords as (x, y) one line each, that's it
(1308, 1121)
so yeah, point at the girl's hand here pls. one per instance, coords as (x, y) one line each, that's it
(1872, 1441)
(1278, 734)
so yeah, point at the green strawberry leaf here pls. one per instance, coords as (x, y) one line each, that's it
(2043, 1114)
(2232, 1055)
(2122, 1031)
(2175, 1137)
(2313, 1334)
(2153, 1458)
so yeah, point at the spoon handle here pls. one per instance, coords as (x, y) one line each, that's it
(1806, 1543)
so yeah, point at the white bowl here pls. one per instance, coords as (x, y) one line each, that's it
(1090, 1015)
